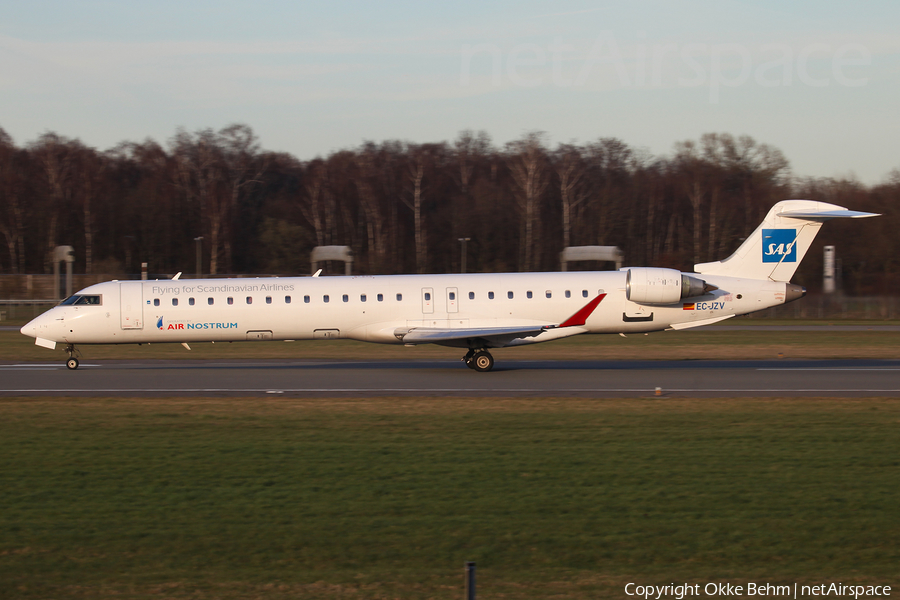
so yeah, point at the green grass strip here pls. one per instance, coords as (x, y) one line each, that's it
(240, 498)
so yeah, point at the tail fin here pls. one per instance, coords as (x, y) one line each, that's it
(775, 249)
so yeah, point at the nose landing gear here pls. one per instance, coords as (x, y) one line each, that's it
(72, 362)
(479, 360)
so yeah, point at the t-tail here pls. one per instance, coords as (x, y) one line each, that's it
(775, 249)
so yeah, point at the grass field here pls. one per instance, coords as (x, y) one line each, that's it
(706, 343)
(386, 498)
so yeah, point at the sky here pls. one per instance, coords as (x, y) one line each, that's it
(820, 80)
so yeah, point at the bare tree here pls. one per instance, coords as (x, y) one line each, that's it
(199, 176)
(365, 173)
(692, 166)
(314, 184)
(239, 149)
(468, 148)
(416, 172)
(12, 224)
(527, 163)
(570, 170)
(609, 162)
(90, 167)
(56, 156)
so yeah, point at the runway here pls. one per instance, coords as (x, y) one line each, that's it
(353, 378)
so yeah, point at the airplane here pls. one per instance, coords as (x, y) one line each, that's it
(475, 312)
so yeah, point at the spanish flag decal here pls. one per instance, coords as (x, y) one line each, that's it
(688, 306)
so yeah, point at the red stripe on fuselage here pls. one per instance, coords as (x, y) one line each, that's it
(579, 318)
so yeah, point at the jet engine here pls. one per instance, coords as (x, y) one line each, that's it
(647, 285)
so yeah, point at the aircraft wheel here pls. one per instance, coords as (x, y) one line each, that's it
(483, 361)
(72, 364)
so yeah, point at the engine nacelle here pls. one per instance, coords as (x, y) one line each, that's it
(648, 285)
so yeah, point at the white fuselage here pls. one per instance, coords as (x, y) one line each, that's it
(375, 308)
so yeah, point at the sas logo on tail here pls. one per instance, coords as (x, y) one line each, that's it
(779, 245)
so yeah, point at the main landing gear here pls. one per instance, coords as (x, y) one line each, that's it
(72, 363)
(480, 360)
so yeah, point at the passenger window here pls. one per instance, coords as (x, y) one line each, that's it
(452, 295)
(345, 298)
(568, 294)
(210, 301)
(399, 297)
(287, 299)
(528, 295)
(509, 295)
(306, 299)
(156, 302)
(427, 296)
(584, 293)
(325, 298)
(471, 295)
(549, 294)
(490, 295)
(174, 301)
(230, 300)
(380, 297)
(249, 300)
(191, 301)
(268, 299)
(362, 297)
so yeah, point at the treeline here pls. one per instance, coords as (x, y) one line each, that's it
(402, 207)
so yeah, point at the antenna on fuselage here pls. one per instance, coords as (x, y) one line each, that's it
(317, 273)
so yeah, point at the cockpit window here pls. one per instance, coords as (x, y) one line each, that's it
(81, 300)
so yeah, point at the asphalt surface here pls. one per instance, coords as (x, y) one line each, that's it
(346, 378)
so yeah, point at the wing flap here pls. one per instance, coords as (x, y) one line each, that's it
(432, 335)
(692, 324)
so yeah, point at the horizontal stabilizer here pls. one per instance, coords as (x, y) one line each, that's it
(825, 215)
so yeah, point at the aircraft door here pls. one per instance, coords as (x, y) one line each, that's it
(452, 300)
(427, 301)
(131, 305)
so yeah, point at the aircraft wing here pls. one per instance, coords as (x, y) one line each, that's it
(434, 335)
(494, 335)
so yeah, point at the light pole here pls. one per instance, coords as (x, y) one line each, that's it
(199, 241)
(462, 262)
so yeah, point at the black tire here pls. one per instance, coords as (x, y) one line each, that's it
(483, 362)
(72, 364)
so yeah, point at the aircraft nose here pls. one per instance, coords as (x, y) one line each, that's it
(29, 329)
(47, 325)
